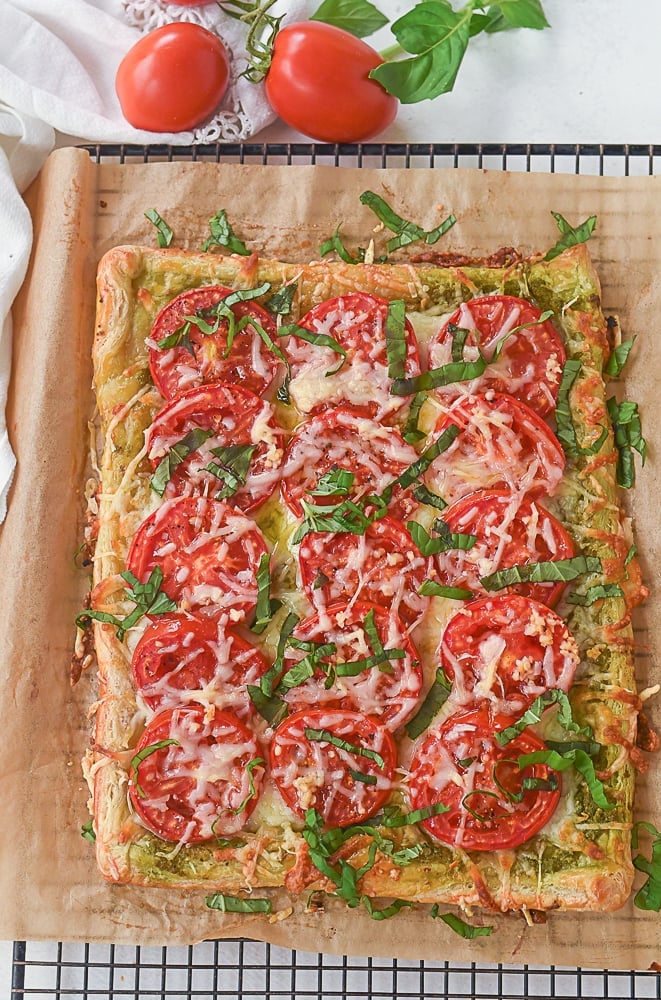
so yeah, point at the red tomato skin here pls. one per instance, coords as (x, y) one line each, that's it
(319, 84)
(173, 79)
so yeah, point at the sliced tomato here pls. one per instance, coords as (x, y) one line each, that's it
(383, 566)
(507, 650)
(531, 360)
(388, 691)
(208, 552)
(501, 443)
(237, 418)
(463, 767)
(313, 773)
(180, 659)
(511, 530)
(192, 778)
(248, 363)
(343, 439)
(357, 322)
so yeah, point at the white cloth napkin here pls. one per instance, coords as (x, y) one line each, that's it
(58, 60)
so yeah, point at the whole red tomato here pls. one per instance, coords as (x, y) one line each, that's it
(319, 84)
(173, 78)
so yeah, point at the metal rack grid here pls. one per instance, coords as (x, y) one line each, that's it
(240, 969)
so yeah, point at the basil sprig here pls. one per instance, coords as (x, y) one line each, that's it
(648, 896)
(148, 598)
(459, 926)
(222, 235)
(141, 755)
(175, 456)
(571, 235)
(557, 571)
(406, 232)
(436, 697)
(235, 904)
(164, 235)
(231, 468)
(628, 438)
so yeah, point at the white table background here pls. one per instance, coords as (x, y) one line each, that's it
(594, 77)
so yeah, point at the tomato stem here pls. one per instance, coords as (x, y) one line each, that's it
(391, 51)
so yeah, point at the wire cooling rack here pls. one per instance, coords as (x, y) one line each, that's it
(239, 969)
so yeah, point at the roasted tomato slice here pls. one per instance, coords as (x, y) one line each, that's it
(501, 443)
(339, 763)
(357, 322)
(239, 462)
(356, 675)
(480, 782)
(383, 566)
(531, 360)
(193, 778)
(180, 659)
(342, 439)
(511, 530)
(507, 650)
(197, 357)
(208, 552)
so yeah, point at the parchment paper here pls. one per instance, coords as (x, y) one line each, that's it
(49, 885)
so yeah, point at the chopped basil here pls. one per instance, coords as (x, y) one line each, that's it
(317, 340)
(423, 495)
(381, 660)
(324, 736)
(179, 338)
(628, 438)
(395, 333)
(618, 358)
(386, 911)
(588, 746)
(164, 234)
(335, 482)
(222, 235)
(422, 463)
(306, 668)
(436, 697)
(533, 715)
(577, 759)
(630, 554)
(571, 235)
(393, 819)
(558, 571)
(270, 707)
(335, 243)
(175, 456)
(87, 832)
(430, 588)
(147, 597)
(320, 580)
(234, 904)
(648, 896)
(346, 516)
(266, 605)
(460, 926)
(411, 433)
(446, 541)
(366, 779)
(549, 784)
(250, 767)
(598, 593)
(231, 468)
(268, 681)
(485, 793)
(406, 232)
(280, 303)
(141, 755)
(459, 335)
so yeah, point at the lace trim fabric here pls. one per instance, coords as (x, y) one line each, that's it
(244, 110)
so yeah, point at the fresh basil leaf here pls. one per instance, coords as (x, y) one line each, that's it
(231, 468)
(250, 767)
(395, 333)
(222, 235)
(346, 516)
(335, 243)
(577, 759)
(317, 340)
(234, 904)
(533, 715)
(175, 456)
(430, 588)
(618, 358)
(141, 755)
(87, 832)
(147, 597)
(648, 896)
(406, 232)
(436, 697)
(266, 606)
(336, 482)
(571, 236)
(358, 17)
(411, 433)
(459, 926)
(280, 302)
(522, 13)
(598, 593)
(445, 542)
(270, 707)
(628, 433)
(324, 736)
(557, 571)
(164, 234)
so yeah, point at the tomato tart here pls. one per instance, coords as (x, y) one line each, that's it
(362, 583)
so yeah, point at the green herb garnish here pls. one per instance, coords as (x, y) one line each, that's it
(648, 896)
(430, 588)
(406, 232)
(558, 571)
(628, 438)
(164, 234)
(458, 925)
(231, 468)
(234, 904)
(222, 235)
(436, 697)
(395, 334)
(325, 736)
(571, 235)
(141, 755)
(175, 456)
(266, 605)
(148, 600)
